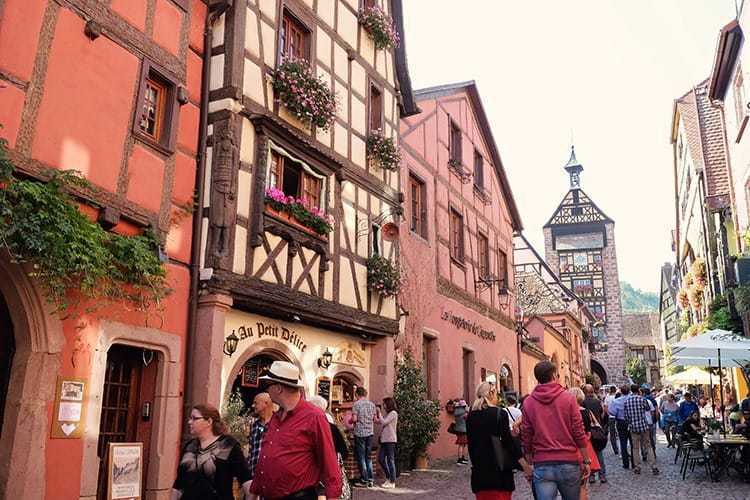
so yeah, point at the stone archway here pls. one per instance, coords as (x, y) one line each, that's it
(39, 341)
(599, 371)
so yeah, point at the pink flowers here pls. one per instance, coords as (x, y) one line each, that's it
(306, 96)
(384, 277)
(313, 218)
(380, 27)
(383, 150)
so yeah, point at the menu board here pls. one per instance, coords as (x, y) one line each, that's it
(250, 373)
(70, 407)
(323, 388)
(125, 470)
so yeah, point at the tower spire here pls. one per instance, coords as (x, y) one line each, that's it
(574, 169)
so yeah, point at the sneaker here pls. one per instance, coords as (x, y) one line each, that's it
(655, 471)
(359, 483)
(602, 479)
(370, 483)
(462, 461)
(388, 485)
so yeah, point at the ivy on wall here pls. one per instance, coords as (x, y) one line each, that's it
(41, 227)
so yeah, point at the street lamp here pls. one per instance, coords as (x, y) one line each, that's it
(325, 360)
(230, 344)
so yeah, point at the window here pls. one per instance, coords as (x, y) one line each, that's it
(651, 354)
(294, 38)
(580, 259)
(294, 180)
(468, 372)
(430, 365)
(455, 143)
(484, 255)
(583, 286)
(376, 109)
(457, 235)
(375, 239)
(502, 270)
(418, 198)
(478, 170)
(740, 106)
(655, 376)
(367, 4)
(597, 258)
(157, 108)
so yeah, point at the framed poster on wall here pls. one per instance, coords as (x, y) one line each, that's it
(250, 373)
(70, 408)
(124, 471)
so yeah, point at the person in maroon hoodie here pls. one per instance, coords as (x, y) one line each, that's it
(552, 435)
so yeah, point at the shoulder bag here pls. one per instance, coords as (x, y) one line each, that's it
(502, 456)
(598, 435)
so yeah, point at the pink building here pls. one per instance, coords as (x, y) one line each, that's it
(457, 250)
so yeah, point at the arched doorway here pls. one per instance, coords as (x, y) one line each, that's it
(599, 371)
(343, 387)
(7, 349)
(505, 380)
(246, 384)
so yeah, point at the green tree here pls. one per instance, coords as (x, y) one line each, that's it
(636, 369)
(233, 415)
(418, 416)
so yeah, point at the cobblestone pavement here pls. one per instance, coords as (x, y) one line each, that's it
(449, 481)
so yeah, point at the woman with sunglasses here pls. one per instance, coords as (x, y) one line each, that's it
(210, 461)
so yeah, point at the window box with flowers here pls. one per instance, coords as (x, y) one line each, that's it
(698, 271)
(695, 294)
(296, 212)
(383, 276)
(304, 95)
(383, 150)
(379, 26)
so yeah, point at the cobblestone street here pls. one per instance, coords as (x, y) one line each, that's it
(449, 481)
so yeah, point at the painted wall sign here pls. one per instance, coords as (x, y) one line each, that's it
(470, 326)
(124, 471)
(70, 406)
(263, 330)
(349, 354)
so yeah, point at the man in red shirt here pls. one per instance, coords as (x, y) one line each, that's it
(297, 455)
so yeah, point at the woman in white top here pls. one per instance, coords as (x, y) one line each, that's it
(388, 440)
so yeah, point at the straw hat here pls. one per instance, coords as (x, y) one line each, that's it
(282, 372)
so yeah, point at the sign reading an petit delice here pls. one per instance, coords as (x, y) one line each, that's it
(468, 325)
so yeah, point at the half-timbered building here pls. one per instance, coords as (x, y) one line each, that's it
(579, 241)
(457, 249)
(294, 208)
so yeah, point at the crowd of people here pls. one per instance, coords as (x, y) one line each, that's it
(556, 437)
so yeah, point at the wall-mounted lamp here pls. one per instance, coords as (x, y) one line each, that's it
(325, 360)
(230, 344)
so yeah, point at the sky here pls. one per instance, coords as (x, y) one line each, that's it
(602, 72)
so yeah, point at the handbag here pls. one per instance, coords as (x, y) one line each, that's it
(452, 428)
(598, 435)
(502, 456)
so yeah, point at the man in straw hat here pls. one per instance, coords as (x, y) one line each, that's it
(297, 455)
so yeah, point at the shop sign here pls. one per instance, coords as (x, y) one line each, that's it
(263, 330)
(468, 325)
(124, 471)
(323, 388)
(70, 406)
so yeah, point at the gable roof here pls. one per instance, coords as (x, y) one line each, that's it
(407, 103)
(577, 208)
(470, 87)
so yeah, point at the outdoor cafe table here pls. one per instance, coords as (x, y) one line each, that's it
(725, 450)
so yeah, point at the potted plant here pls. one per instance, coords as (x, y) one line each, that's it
(379, 26)
(296, 212)
(418, 420)
(682, 297)
(698, 272)
(383, 150)
(383, 276)
(714, 426)
(695, 294)
(306, 96)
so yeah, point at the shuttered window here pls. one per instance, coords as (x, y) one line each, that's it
(502, 270)
(483, 245)
(376, 109)
(418, 215)
(294, 38)
(478, 170)
(455, 143)
(457, 235)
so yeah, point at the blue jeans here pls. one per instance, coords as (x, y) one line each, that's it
(623, 432)
(362, 450)
(551, 477)
(387, 459)
(600, 457)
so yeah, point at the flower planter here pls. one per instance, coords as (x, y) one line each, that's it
(422, 463)
(290, 220)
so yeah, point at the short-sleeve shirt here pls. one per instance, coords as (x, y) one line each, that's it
(636, 408)
(365, 411)
(208, 473)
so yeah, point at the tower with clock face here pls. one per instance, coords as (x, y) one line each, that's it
(579, 241)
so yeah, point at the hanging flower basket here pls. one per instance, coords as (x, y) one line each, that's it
(383, 276)
(682, 296)
(688, 280)
(383, 151)
(380, 27)
(698, 271)
(695, 294)
(306, 96)
(296, 208)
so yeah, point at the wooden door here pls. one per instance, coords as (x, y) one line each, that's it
(7, 349)
(129, 388)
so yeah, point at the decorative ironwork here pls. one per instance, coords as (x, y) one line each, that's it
(485, 282)
(462, 173)
(364, 225)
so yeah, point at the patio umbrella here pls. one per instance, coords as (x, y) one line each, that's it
(719, 344)
(692, 375)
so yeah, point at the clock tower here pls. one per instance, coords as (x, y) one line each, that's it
(579, 242)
